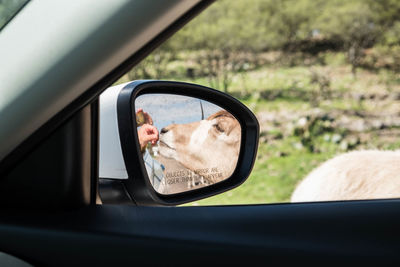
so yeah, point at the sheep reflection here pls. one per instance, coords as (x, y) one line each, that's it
(197, 154)
(208, 149)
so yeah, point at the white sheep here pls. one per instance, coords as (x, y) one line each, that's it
(200, 146)
(368, 174)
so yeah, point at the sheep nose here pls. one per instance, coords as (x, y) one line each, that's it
(164, 130)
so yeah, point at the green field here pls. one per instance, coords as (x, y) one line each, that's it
(281, 161)
(307, 114)
(322, 77)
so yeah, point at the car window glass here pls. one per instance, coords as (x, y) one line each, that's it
(322, 78)
(8, 9)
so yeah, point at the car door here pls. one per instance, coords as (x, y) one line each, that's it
(49, 154)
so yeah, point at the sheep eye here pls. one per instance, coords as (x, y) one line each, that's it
(218, 128)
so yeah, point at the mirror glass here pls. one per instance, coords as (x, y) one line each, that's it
(186, 143)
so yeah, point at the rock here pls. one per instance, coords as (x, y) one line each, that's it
(356, 125)
(298, 146)
(344, 145)
(353, 140)
(336, 138)
(377, 124)
(302, 122)
(395, 96)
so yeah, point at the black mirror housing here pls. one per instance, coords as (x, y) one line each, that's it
(138, 185)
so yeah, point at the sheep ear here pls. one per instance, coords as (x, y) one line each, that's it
(226, 124)
(174, 165)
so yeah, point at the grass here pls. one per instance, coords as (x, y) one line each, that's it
(282, 163)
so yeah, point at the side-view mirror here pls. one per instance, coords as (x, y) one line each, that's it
(169, 143)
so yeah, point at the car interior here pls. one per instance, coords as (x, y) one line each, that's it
(55, 211)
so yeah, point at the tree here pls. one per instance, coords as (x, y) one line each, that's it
(222, 38)
(353, 23)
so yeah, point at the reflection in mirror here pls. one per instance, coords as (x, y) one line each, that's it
(186, 143)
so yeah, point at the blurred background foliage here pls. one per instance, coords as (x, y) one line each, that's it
(322, 78)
